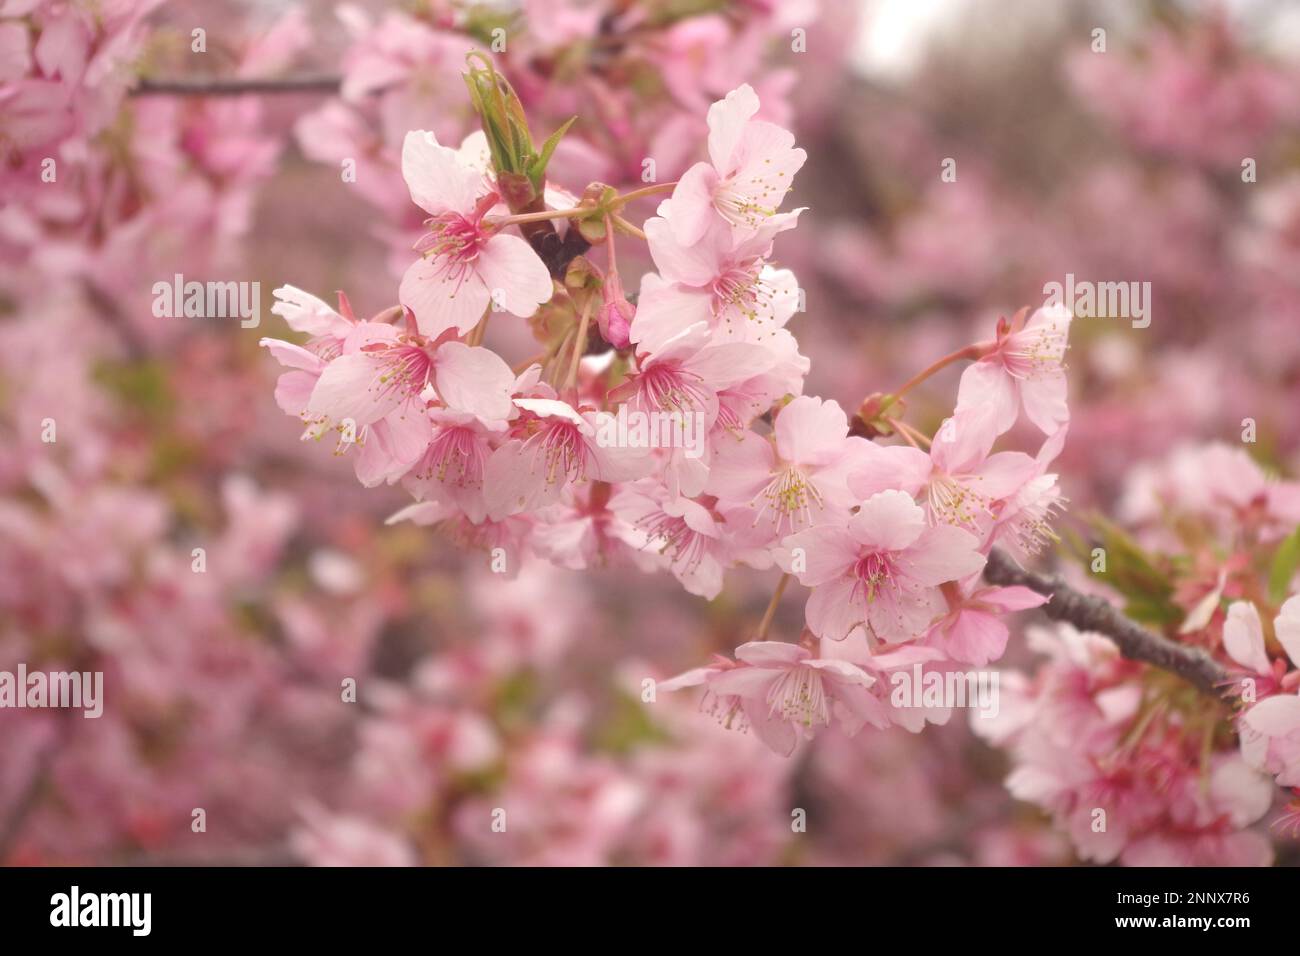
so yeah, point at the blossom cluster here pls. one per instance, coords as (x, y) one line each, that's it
(889, 540)
(1133, 764)
(590, 371)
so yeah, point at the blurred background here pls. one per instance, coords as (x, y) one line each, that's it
(1169, 155)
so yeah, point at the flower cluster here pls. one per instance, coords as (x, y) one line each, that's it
(889, 540)
(1136, 765)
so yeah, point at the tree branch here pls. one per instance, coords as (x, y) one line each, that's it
(211, 86)
(1089, 613)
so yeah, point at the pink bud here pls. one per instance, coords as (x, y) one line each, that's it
(616, 313)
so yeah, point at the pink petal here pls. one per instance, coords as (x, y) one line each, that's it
(987, 385)
(890, 466)
(694, 265)
(743, 681)
(1014, 598)
(778, 734)
(664, 311)
(1287, 627)
(474, 380)
(828, 552)
(1045, 401)
(692, 204)
(350, 387)
(691, 678)
(810, 431)
(732, 362)
(306, 313)
(740, 467)
(770, 653)
(1274, 716)
(293, 392)
(436, 179)
(1003, 474)
(1243, 637)
(293, 356)
(727, 119)
(975, 638)
(512, 483)
(832, 612)
(943, 553)
(515, 274)
(841, 673)
(888, 521)
(438, 303)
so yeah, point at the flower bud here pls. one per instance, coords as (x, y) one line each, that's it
(616, 313)
(519, 166)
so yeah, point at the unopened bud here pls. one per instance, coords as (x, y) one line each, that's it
(616, 313)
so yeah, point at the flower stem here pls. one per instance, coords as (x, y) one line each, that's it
(647, 191)
(770, 613)
(969, 352)
(580, 343)
(628, 227)
(913, 435)
(543, 216)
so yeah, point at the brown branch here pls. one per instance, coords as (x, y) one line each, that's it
(212, 86)
(1089, 613)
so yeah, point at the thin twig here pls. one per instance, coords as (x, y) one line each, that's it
(770, 613)
(213, 86)
(1089, 613)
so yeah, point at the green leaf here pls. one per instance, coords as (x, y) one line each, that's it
(1136, 575)
(537, 169)
(1285, 561)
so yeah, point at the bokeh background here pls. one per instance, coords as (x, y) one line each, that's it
(476, 692)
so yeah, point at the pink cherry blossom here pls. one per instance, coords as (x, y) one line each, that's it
(551, 446)
(973, 631)
(880, 570)
(960, 483)
(1270, 729)
(798, 479)
(1024, 368)
(687, 535)
(751, 168)
(784, 691)
(720, 279)
(465, 265)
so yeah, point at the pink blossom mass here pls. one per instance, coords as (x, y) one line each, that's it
(735, 433)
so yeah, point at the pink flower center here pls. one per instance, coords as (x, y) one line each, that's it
(799, 695)
(746, 202)
(953, 501)
(874, 572)
(740, 288)
(790, 496)
(561, 451)
(681, 543)
(667, 386)
(453, 244)
(1035, 353)
(404, 369)
(456, 452)
(1036, 505)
